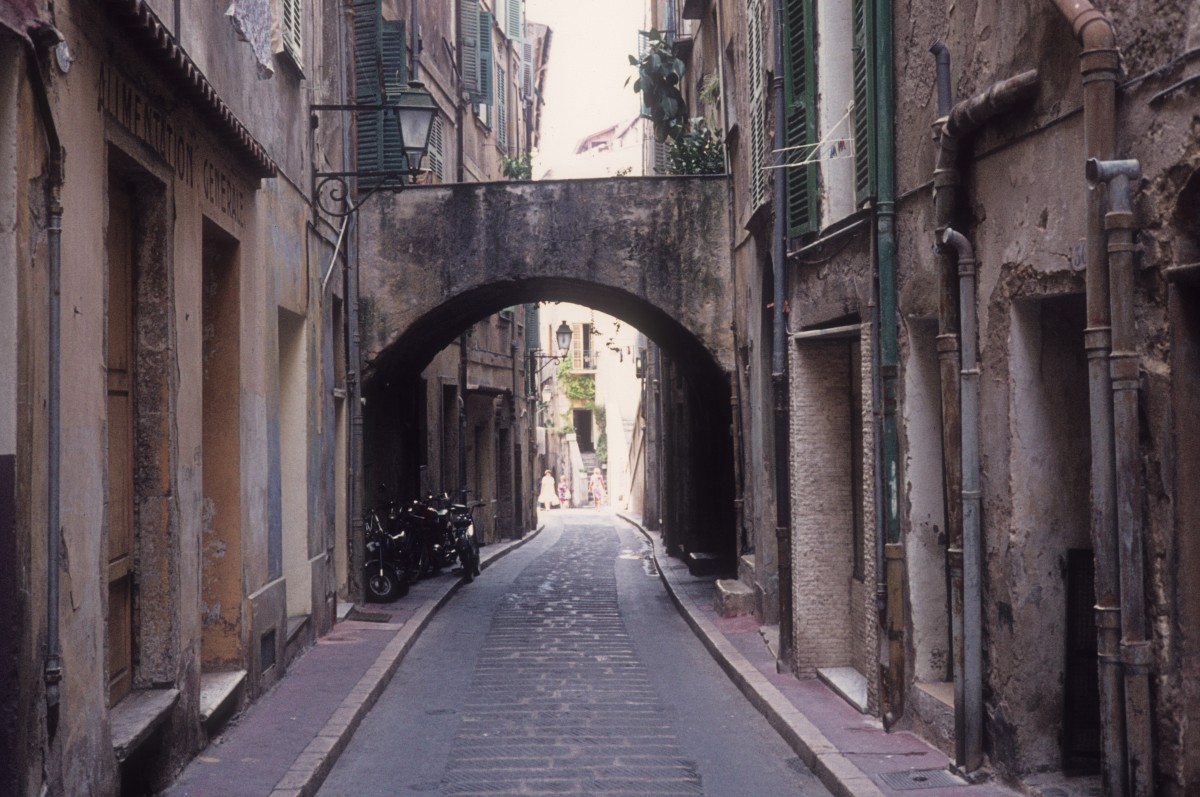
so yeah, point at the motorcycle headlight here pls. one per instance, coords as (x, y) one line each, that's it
(470, 529)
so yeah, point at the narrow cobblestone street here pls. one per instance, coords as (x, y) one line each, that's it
(565, 670)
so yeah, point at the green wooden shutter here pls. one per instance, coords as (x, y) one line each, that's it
(513, 19)
(483, 95)
(526, 69)
(800, 119)
(368, 88)
(468, 15)
(643, 47)
(502, 109)
(436, 154)
(394, 60)
(290, 30)
(864, 102)
(758, 111)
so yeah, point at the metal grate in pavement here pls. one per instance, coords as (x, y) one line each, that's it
(920, 779)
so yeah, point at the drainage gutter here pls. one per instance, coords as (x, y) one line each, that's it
(963, 548)
(52, 668)
(779, 359)
(889, 357)
(1125, 733)
(968, 686)
(1136, 653)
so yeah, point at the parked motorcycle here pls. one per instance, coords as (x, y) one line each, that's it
(447, 532)
(394, 557)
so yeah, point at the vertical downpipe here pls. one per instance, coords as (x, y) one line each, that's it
(779, 376)
(889, 357)
(53, 671)
(1136, 653)
(1098, 63)
(52, 668)
(946, 181)
(972, 560)
(462, 417)
(356, 555)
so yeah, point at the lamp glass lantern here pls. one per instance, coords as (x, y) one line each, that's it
(563, 337)
(415, 110)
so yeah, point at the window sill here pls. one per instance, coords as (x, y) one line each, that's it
(294, 64)
(133, 720)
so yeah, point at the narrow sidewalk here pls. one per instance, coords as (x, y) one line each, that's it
(850, 752)
(285, 743)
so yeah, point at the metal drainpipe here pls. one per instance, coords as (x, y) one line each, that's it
(972, 542)
(946, 179)
(1136, 654)
(779, 360)
(53, 668)
(462, 416)
(889, 356)
(415, 45)
(356, 542)
(962, 120)
(1099, 64)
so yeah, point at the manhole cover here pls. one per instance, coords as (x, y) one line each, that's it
(920, 779)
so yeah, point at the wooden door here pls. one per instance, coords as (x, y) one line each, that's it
(1081, 682)
(119, 372)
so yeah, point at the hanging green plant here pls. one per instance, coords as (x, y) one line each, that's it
(519, 168)
(659, 75)
(699, 152)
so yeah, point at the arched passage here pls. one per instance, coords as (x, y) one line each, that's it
(693, 432)
(654, 252)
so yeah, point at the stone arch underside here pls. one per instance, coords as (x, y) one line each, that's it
(652, 251)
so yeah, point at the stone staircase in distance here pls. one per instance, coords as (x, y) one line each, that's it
(734, 597)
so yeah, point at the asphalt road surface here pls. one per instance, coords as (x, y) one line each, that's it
(565, 669)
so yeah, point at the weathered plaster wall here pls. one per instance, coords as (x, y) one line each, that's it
(178, 191)
(1024, 208)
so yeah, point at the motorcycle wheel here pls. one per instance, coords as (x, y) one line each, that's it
(382, 584)
(468, 557)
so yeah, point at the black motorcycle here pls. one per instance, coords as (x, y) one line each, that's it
(394, 557)
(447, 532)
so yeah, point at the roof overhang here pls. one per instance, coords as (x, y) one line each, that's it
(156, 43)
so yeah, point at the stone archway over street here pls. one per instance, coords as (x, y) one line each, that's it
(653, 250)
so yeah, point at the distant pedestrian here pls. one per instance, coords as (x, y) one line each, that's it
(596, 486)
(547, 498)
(564, 493)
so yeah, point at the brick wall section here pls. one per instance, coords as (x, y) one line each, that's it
(822, 565)
(834, 615)
(862, 598)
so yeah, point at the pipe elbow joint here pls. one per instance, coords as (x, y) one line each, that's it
(962, 247)
(1100, 171)
(1094, 29)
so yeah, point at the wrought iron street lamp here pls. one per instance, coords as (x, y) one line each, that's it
(412, 110)
(563, 337)
(415, 110)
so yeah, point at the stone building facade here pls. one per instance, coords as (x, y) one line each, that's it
(171, 494)
(986, 348)
(458, 419)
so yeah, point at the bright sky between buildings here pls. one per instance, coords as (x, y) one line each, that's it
(585, 80)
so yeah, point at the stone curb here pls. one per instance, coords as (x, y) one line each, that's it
(837, 772)
(312, 766)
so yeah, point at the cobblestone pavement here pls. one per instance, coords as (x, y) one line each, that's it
(565, 670)
(561, 703)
